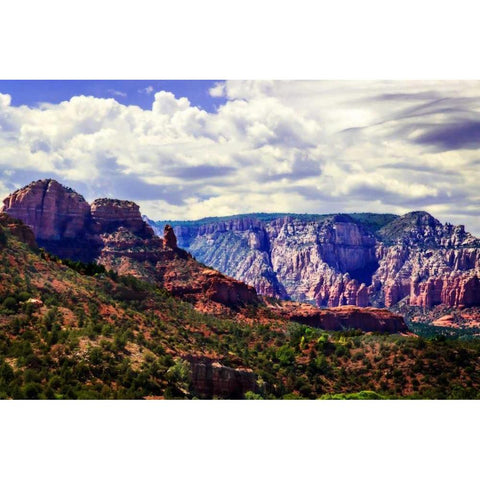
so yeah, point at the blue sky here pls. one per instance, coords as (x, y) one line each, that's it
(126, 92)
(191, 149)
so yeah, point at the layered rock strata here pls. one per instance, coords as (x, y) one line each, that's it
(53, 211)
(341, 259)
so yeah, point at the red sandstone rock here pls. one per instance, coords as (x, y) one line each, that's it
(367, 319)
(51, 210)
(227, 291)
(211, 379)
(111, 214)
(169, 238)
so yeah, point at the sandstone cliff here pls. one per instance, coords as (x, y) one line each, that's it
(211, 379)
(52, 211)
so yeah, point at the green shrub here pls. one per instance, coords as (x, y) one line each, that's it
(285, 355)
(31, 391)
(10, 304)
(180, 374)
(253, 396)
(23, 296)
(3, 238)
(363, 395)
(6, 373)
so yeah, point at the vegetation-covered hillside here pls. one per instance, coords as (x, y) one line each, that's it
(70, 330)
(371, 221)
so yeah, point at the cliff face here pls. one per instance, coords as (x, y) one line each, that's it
(343, 260)
(427, 263)
(110, 214)
(51, 210)
(329, 262)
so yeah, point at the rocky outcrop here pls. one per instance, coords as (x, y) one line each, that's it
(211, 379)
(348, 317)
(228, 291)
(169, 238)
(67, 226)
(190, 280)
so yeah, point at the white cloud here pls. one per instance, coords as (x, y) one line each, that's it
(273, 146)
(218, 90)
(5, 100)
(147, 90)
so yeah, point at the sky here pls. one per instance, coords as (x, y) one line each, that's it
(190, 149)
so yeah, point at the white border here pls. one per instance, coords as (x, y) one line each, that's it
(248, 39)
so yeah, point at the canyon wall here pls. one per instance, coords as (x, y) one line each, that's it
(342, 259)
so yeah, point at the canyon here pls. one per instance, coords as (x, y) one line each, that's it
(376, 260)
(345, 259)
(112, 233)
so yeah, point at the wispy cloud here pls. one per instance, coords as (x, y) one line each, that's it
(116, 93)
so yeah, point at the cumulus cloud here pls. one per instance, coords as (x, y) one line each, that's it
(303, 146)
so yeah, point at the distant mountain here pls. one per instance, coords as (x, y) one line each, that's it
(341, 259)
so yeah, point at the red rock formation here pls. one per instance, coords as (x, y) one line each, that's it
(110, 214)
(186, 278)
(51, 210)
(227, 291)
(113, 233)
(456, 290)
(367, 319)
(169, 238)
(211, 379)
